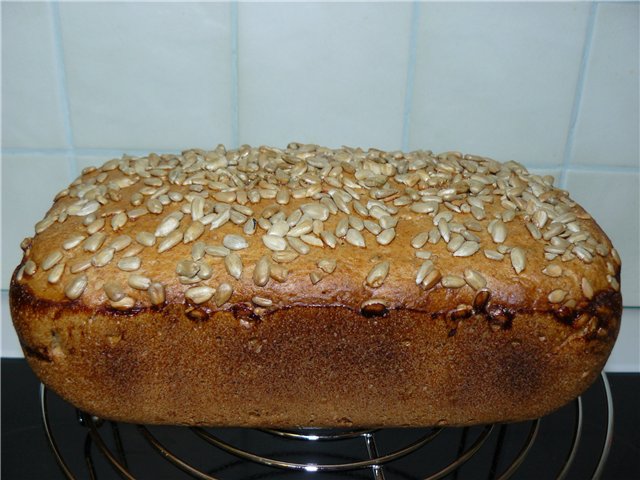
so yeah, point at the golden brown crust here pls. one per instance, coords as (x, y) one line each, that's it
(322, 347)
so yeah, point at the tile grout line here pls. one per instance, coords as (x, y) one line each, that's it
(411, 70)
(235, 113)
(577, 100)
(63, 88)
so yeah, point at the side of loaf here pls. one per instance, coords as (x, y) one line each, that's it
(309, 286)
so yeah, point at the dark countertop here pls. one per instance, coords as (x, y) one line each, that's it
(26, 454)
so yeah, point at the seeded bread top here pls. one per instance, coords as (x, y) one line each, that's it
(265, 228)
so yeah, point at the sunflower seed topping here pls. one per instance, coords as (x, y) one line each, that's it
(432, 279)
(76, 286)
(419, 240)
(233, 264)
(378, 274)
(274, 243)
(114, 292)
(552, 270)
(51, 260)
(145, 238)
(316, 276)
(234, 242)
(262, 302)
(56, 273)
(73, 241)
(425, 269)
(452, 281)
(223, 294)
(327, 265)
(170, 241)
(355, 238)
(94, 242)
(193, 232)
(518, 259)
(467, 249)
(168, 225)
(199, 294)
(129, 264)
(103, 257)
(261, 271)
(474, 279)
(386, 237)
(557, 296)
(587, 289)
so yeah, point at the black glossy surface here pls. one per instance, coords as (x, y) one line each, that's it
(26, 455)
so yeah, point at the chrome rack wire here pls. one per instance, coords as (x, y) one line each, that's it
(380, 465)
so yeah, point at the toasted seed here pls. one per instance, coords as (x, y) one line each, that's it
(56, 273)
(316, 276)
(372, 227)
(613, 281)
(76, 286)
(445, 232)
(312, 240)
(45, 223)
(298, 245)
(249, 227)
(30, 267)
(327, 265)
(125, 303)
(342, 227)
(355, 238)
(467, 249)
(261, 271)
(283, 196)
(356, 222)
(278, 272)
(474, 279)
(499, 232)
(139, 282)
(378, 274)
(493, 255)
(431, 279)
(419, 240)
(51, 260)
(94, 242)
(118, 221)
(79, 266)
(233, 264)
(552, 270)
(373, 307)
(170, 241)
(616, 256)
(452, 281)
(557, 296)
(199, 294)
(103, 257)
(301, 228)
(261, 301)
(386, 237)
(587, 289)
(197, 207)
(198, 251)
(146, 238)
(234, 242)
(425, 269)
(167, 226)
(187, 268)
(73, 241)
(156, 293)
(216, 220)
(137, 212)
(193, 232)
(114, 291)
(129, 264)
(223, 294)
(423, 254)
(275, 243)
(284, 257)
(278, 228)
(217, 250)
(481, 299)
(329, 238)
(518, 259)
(424, 207)
(534, 231)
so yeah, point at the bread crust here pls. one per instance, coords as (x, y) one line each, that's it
(335, 353)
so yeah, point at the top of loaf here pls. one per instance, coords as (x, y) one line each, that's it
(267, 228)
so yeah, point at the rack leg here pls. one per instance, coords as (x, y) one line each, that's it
(372, 450)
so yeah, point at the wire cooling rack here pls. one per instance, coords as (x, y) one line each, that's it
(497, 451)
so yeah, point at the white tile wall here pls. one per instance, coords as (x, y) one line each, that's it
(32, 103)
(144, 75)
(611, 90)
(307, 73)
(553, 85)
(491, 79)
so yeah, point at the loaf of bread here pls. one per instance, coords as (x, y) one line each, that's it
(311, 287)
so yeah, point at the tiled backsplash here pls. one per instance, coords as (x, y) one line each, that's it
(552, 85)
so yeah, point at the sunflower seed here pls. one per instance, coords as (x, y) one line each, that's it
(223, 294)
(167, 226)
(355, 238)
(45, 223)
(312, 240)
(76, 286)
(298, 245)
(419, 240)
(79, 266)
(315, 211)
(378, 274)
(73, 241)
(613, 281)
(474, 279)
(129, 264)
(467, 249)
(557, 296)
(197, 208)
(234, 242)
(114, 291)
(481, 299)
(170, 241)
(372, 227)
(316, 276)
(94, 242)
(423, 254)
(145, 238)
(587, 289)
(156, 293)
(278, 272)
(327, 265)
(187, 268)
(217, 250)
(552, 270)
(56, 273)
(261, 271)
(425, 269)
(233, 264)
(452, 281)
(118, 221)
(125, 303)
(51, 260)
(199, 294)
(356, 222)
(301, 228)
(431, 279)
(275, 243)
(499, 232)
(616, 257)
(216, 220)
(342, 227)
(193, 232)
(249, 227)
(283, 196)
(103, 257)
(86, 209)
(424, 207)
(284, 257)
(518, 259)
(261, 301)
(386, 237)
(329, 238)
(443, 228)
(278, 229)
(534, 231)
